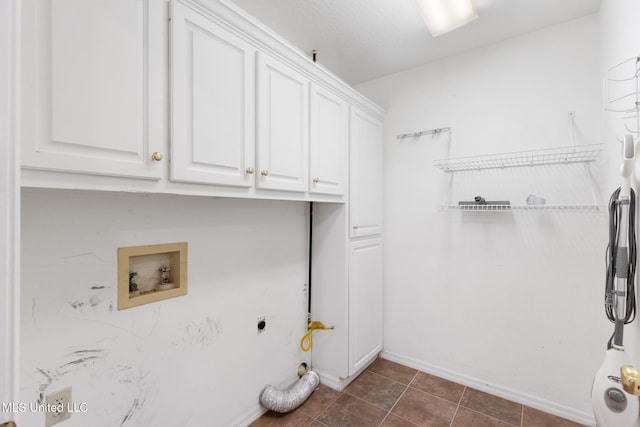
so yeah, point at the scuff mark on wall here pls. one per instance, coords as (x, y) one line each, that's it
(124, 373)
(74, 360)
(43, 386)
(76, 304)
(81, 360)
(218, 327)
(95, 300)
(81, 258)
(138, 379)
(203, 332)
(33, 313)
(94, 363)
(157, 319)
(137, 404)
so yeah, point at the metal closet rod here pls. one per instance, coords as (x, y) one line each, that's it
(424, 132)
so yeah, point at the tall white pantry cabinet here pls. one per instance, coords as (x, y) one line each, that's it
(347, 262)
(197, 98)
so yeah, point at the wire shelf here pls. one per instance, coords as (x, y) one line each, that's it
(516, 208)
(563, 155)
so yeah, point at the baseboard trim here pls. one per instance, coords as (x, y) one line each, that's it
(506, 393)
(338, 384)
(250, 416)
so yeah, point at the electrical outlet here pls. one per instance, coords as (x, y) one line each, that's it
(57, 407)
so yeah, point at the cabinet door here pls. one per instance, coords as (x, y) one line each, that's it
(365, 174)
(365, 302)
(212, 84)
(329, 142)
(94, 86)
(283, 126)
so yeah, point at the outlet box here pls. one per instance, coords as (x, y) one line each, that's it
(262, 324)
(57, 407)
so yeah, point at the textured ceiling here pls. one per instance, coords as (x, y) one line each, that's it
(360, 40)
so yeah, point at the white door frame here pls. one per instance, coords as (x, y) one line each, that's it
(9, 203)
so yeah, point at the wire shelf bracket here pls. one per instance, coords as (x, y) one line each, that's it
(622, 92)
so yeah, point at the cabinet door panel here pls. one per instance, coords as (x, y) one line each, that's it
(365, 303)
(365, 174)
(91, 86)
(212, 111)
(329, 142)
(283, 126)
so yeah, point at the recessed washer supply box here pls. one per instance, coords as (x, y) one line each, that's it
(151, 273)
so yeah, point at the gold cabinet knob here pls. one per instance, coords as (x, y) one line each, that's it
(250, 171)
(157, 156)
(264, 172)
(316, 180)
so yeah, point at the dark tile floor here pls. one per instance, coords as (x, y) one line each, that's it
(391, 395)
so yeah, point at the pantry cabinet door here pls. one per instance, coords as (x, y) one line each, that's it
(94, 86)
(365, 179)
(212, 115)
(365, 303)
(329, 142)
(283, 126)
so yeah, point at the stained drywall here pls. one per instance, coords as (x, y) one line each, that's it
(507, 302)
(193, 360)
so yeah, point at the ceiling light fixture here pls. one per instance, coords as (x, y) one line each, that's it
(442, 16)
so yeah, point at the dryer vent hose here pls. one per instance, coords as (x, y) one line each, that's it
(289, 399)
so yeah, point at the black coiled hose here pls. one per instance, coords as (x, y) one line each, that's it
(615, 216)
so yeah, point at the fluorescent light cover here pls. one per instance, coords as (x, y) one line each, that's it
(442, 16)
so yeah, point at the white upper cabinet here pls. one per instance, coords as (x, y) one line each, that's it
(213, 92)
(283, 126)
(365, 214)
(329, 143)
(183, 97)
(93, 91)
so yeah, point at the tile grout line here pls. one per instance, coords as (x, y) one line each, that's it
(522, 416)
(458, 406)
(375, 404)
(393, 379)
(327, 407)
(398, 399)
(490, 416)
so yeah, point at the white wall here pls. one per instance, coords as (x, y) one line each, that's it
(506, 302)
(620, 34)
(195, 360)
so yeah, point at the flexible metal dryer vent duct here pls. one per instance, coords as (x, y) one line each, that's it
(289, 399)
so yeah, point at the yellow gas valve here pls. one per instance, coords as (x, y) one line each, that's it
(305, 342)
